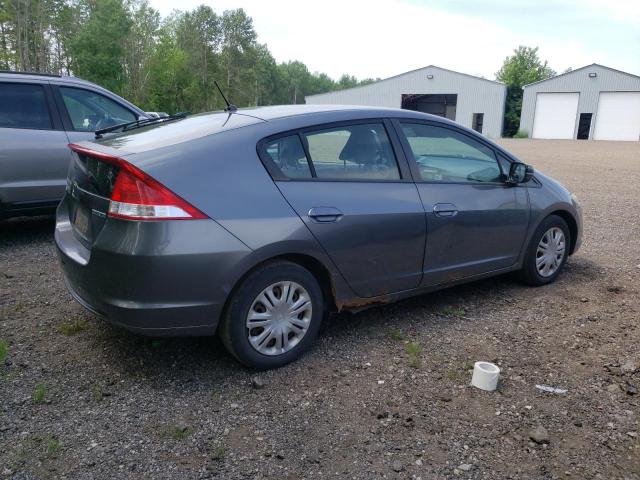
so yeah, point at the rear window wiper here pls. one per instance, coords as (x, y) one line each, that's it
(139, 123)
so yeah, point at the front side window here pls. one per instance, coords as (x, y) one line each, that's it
(24, 106)
(444, 155)
(353, 152)
(90, 111)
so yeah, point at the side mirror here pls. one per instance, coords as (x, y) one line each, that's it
(520, 173)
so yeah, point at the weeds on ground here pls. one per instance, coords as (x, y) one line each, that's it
(459, 374)
(96, 391)
(39, 393)
(218, 452)
(73, 327)
(4, 351)
(395, 334)
(175, 432)
(52, 446)
(178, 433)
(450, 311)
(413, 354)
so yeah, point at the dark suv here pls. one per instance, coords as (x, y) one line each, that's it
(39, 116)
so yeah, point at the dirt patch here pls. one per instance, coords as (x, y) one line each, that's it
(384, 393)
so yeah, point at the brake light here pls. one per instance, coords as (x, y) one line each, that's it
(137, 196)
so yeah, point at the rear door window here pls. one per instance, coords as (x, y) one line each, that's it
(288, 155)
(90, 111)
(352, 152)
(24, 105)
(447, 156)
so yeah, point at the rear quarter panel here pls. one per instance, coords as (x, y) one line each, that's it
(222, 175)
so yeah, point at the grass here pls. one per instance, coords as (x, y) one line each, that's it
(73, 327)
(459, 374)
(521, 134)
(96, 391)
(413, 354)
(450, 311)
(39, 393)
(218, 452)
(395, 334)
(178, 433)
(4, 351)
(52, 446)
(175, 432)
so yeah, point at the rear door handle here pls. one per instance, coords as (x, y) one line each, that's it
(325, 214)
(445, 210)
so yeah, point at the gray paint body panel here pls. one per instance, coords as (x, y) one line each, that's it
(475, 95)
(589, 88)
(175, 277)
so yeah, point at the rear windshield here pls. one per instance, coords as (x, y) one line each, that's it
(191, 128)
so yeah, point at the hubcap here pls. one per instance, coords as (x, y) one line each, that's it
(550, 252)
(279, 318)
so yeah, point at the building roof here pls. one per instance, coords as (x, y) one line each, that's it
(577, 70)
(402, 74)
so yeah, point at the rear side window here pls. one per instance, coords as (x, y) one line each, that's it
(288, 155)
(24, 106)
(353, 152)
(90, 111)
(444, 155)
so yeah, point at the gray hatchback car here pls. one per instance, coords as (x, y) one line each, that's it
(259, 222)
(39, 115)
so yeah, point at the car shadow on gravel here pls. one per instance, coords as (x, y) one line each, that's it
(25, 230)
(205, 359)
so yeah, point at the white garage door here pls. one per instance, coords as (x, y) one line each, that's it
(618, 116)
(555, 115)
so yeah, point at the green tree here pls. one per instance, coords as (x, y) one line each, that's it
(519, 69)
(98, 49)
(139, 48)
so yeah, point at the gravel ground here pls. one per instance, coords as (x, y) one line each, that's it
(384, 393)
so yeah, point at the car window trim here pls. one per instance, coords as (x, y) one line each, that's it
(56, 125)
(397, 123)
(64, 113)
(277, 175)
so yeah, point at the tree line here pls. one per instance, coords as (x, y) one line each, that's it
(169, 64)
(160, 64)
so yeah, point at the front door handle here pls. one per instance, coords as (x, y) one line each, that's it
(445, 210)
(325, 214)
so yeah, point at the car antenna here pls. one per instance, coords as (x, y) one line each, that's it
(230, 106)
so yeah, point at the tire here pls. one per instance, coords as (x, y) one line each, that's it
(275, 350)
(530, 273)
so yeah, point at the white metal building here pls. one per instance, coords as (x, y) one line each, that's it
(471, 101)
(592, 102)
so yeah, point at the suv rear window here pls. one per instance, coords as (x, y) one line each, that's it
(24, 105)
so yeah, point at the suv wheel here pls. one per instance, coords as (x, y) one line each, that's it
(547, 252)
(274, 316)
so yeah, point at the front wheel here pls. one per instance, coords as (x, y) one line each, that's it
(547, 252)
(274, 316)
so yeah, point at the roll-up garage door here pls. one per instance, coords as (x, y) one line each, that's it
(555, 115)
(618, 116)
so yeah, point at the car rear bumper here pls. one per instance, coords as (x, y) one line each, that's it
(154, 278)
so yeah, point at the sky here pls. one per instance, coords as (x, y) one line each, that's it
(382, 38)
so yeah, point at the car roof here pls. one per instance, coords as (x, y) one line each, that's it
(45, 77)
(284, 111)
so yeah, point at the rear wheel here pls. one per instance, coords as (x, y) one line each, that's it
(274, 315)
(547, 252)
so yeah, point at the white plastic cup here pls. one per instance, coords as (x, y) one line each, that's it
(485, 376)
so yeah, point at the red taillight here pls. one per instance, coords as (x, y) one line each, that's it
(137, 196)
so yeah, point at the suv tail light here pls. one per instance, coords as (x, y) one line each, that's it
(137, 196)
